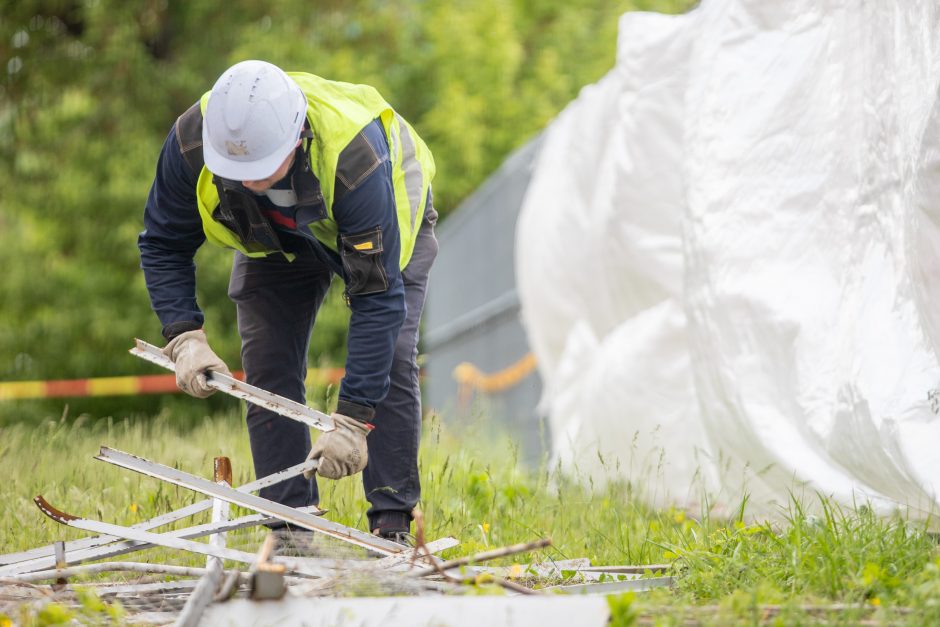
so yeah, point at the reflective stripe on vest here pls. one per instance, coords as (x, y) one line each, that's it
(337, 112)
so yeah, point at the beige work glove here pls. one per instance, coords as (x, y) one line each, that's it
(343, 451)
(191, 353)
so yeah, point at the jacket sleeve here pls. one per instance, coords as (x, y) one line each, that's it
(172, 235)
(370, 247)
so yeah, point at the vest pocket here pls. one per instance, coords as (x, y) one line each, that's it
(362, 262)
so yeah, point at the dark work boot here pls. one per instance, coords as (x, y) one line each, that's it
(392, 525)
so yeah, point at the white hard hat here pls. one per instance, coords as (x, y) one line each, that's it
(252, 121)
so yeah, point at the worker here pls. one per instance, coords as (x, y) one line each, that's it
(305, 178)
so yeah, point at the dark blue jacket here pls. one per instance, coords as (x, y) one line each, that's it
(173, 233)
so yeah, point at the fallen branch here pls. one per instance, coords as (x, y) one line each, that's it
(484, 556)
(476, 580)
(228, 587)
(442, 568)
(25, 584)
(200, 598)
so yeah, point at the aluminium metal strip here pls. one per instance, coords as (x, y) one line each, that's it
(112, 567)
(264, 506)
(110, 589)
(168, 541)
(14, 562)
(240, 389)
(16, 559)
(141, 536)
(614, 587)
(569, 576)
(632, 569)
(121, 547)
(306, 566)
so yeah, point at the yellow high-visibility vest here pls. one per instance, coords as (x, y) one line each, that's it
(337, 112)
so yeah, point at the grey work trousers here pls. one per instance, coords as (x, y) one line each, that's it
(277, 303)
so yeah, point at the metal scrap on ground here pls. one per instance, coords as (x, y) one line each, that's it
(383, 570)
(203, 594)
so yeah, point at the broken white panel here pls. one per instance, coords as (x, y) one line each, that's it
(438, 611)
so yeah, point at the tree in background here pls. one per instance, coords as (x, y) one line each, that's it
(90, 89)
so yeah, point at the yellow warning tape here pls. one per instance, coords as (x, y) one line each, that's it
(113, 386)
(126, 386)
(22, 389)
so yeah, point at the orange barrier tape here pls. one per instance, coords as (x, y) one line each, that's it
(127, 386)
(470, 378)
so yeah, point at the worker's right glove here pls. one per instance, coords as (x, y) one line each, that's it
(343, 451)
(191, 353)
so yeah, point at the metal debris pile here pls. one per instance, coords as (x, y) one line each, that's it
(312, 557)
(314, 567)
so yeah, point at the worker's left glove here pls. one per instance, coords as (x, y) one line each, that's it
(192, 356)
(343, 451)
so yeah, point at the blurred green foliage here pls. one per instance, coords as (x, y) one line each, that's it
(89, 89)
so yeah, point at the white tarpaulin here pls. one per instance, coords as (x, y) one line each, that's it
(729, 256)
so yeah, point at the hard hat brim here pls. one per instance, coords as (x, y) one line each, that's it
(257, 170)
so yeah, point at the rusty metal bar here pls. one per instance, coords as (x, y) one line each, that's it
(222, 470)
(62, 581)
(222, 475)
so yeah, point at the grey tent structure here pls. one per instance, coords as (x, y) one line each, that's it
(472, 314)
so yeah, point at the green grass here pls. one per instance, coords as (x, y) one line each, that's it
(832, 566)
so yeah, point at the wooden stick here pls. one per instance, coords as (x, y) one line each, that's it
(200, 598)
(484, 556)
(480, 557)
(505, 583)
(267, 547)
